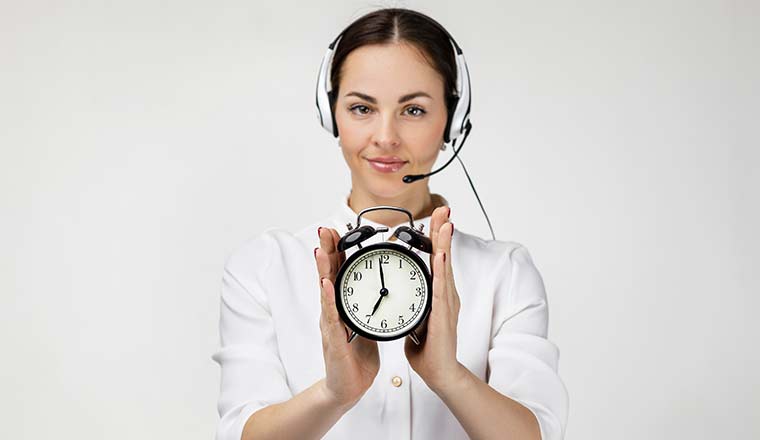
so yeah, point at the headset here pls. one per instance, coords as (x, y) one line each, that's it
(458, 118)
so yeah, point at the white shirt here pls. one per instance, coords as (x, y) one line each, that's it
(271, 346)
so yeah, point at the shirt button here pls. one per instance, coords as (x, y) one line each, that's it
(396, 381)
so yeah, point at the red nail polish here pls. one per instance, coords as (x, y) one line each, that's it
(452, 229)
(444, 257)
(318, 231)
(315, 252)
(449, 213)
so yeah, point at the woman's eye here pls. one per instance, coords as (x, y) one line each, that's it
(418, 111)
(363, 109)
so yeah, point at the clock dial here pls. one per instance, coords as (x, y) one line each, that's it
(384, 292)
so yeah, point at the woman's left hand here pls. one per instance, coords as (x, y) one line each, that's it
(435, 360)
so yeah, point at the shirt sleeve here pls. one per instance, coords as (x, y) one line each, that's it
(522, 362)
(252, 374)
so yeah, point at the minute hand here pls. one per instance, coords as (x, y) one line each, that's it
(383, 290)
(382, 277)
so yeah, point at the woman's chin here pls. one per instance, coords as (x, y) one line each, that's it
(388, 188)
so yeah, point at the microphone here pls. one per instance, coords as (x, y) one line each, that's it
(409, 178)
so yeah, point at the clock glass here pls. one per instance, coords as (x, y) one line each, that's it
(383, 291)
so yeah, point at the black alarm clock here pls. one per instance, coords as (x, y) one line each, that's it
(383, 291)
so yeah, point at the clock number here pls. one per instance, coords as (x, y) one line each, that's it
(355, 307)
(412, 273)
(357, 276)
(400, 319)
(399, 263)
(385, 259)
(368, 318)
(350, 290)
(368, 264)
(419, 291)
(412, 307)
(383, 324)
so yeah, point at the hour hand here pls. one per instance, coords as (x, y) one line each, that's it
(383, 294)
(377, 304)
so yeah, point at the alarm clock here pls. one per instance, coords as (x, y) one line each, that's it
(383, 291)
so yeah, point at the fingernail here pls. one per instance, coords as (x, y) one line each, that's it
(321, 284)
(452, 229)
(318, 231)
(444, 257)
(315, 252)
(449, 213)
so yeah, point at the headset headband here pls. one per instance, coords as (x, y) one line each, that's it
(457, 119)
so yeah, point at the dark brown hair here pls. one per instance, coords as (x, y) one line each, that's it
(395, 25)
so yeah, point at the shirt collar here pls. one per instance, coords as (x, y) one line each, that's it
(344, 215)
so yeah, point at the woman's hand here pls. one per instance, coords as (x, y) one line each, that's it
(350, 367)
(435, 360)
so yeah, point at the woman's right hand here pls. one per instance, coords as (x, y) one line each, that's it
(350, 367)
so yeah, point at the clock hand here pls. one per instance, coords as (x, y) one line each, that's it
(383, 294)
(382, 277)
(383, 290)
(377, 304)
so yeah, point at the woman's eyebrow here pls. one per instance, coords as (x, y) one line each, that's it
(404, 98)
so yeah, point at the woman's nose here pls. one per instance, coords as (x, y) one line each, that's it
(386, 135)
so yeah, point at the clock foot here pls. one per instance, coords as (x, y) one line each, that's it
(351, 338)
(414, 337)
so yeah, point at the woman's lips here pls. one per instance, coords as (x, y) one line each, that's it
(386, 167)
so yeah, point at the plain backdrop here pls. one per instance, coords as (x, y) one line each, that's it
(142, 141)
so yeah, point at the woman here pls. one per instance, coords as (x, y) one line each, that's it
(484, 369)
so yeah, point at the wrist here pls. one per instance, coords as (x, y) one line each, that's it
(457, 380)
(329, 400)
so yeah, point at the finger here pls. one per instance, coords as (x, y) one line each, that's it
(341, 255)
(327, 244)
(329, 239)
(327, 263)
(333, 326)
(445, 234)
(435, 223)
(444, 245)
(449, 291)
(440, 299)
(323, 309)
(454, 294)
(323, 264)
(326, 239)
(440, 214)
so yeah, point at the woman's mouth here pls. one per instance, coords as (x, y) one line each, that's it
(385, 165)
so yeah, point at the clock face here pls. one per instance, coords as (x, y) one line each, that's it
(387, 304)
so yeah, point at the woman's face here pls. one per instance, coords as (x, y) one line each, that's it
(390, 107)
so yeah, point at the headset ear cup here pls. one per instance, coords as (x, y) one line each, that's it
(331, 97)
(453, 100)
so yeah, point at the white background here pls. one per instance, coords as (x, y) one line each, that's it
(142, 141)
